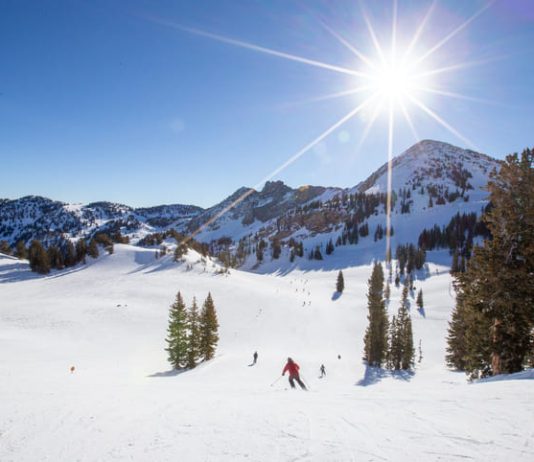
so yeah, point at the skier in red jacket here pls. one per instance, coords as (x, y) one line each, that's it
(293, 368)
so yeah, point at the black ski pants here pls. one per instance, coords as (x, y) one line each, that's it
(293, 378)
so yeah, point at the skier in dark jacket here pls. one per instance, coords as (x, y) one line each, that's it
(255, 357)
(322, 370)
(293, 368)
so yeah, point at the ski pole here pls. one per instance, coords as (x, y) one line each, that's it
(276, 380)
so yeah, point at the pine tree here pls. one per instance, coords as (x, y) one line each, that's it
(317, 255)
(38, 258)
(92, 250)
(404, 332)
(276, 249)
(329, 247)
(496, 292)
(5, 248)
(55, 257)
(70, 254)
(394, 355)
(193, 336)
(419, 300)
(408, 351)
(376, 335)
(209, 327)
(177, 338)
(81, 250)
(340, 284)
(20, 250)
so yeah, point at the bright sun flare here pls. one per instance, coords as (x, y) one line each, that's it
(394, 81)
(390, 81)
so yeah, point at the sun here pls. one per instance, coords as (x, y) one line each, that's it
(391, 80)
(395, 81)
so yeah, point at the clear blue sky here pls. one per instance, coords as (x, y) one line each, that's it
(100, 100)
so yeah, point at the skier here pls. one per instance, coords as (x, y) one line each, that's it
(322, 370)
(255, 356)
(293, 369)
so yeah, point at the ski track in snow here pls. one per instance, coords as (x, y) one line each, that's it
(109, 320)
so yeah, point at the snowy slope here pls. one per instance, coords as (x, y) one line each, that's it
(109, 318)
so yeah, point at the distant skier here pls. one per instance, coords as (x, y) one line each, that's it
(293, 369)
(255, 357)
(323, 371)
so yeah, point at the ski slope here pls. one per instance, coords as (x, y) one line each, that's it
(109, 319)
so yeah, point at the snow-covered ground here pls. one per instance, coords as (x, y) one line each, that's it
(109, 320)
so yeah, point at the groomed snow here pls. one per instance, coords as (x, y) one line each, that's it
(109, 319)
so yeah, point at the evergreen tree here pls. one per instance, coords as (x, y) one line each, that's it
(329, 247)
(317, 255)
(497, 289)
(408, 350)
(419, 300)
(177, 338)
(404, 332)
(38, 258)
(209, 327)
(340, 284)
(394, 355)
(276, 249)
(81, 250)
(20, 250)
(495, 302)
(70, 254)
(193, 337)
(5, 248)
(55, 257)
(92, 250)
(376, 335)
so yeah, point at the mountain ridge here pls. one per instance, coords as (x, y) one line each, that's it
(432, 181)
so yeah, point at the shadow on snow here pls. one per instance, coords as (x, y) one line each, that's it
(169, 373)
(373, 375)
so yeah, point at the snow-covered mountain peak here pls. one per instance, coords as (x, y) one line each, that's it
(436, 165)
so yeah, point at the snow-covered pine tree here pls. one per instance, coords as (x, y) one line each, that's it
(177, 334)
(193, 335)
(340, 283)
(209, 328)
(376, 334)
